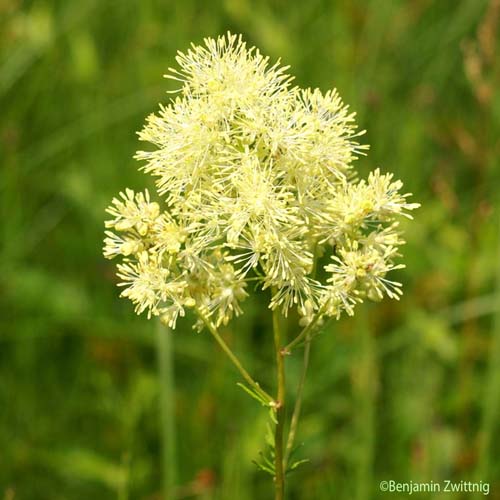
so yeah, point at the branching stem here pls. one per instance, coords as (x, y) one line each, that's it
(236, 362)
(304, 333)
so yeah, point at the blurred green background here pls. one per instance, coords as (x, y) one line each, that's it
(404, 391)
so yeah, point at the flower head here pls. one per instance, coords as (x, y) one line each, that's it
(255, 181)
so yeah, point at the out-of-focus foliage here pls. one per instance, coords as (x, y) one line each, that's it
(404, 391)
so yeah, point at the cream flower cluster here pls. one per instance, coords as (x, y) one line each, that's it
(256, 190)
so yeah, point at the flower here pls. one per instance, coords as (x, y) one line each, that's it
(255, 182)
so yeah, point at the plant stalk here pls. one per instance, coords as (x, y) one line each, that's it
(300, 388)
(298, 401)
(280, 410)
(167, 413)
(305, 332)
(236, 362)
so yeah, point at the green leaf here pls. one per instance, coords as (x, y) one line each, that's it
(296, 464)
(253, 393)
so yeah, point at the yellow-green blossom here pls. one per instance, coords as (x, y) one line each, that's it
(255, 182)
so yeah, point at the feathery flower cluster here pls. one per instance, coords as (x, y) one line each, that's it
(255, 183)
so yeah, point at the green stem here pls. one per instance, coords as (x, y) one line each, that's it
(300, 388)
(304, 333)
(298, 402)
(280, 410)
(236, 362)
(167, 413)
(305, 364)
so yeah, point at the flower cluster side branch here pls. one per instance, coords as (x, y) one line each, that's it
(298, 402)
(307, 330)
(236, 362)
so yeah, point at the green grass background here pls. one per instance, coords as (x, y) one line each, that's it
(404, 391)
